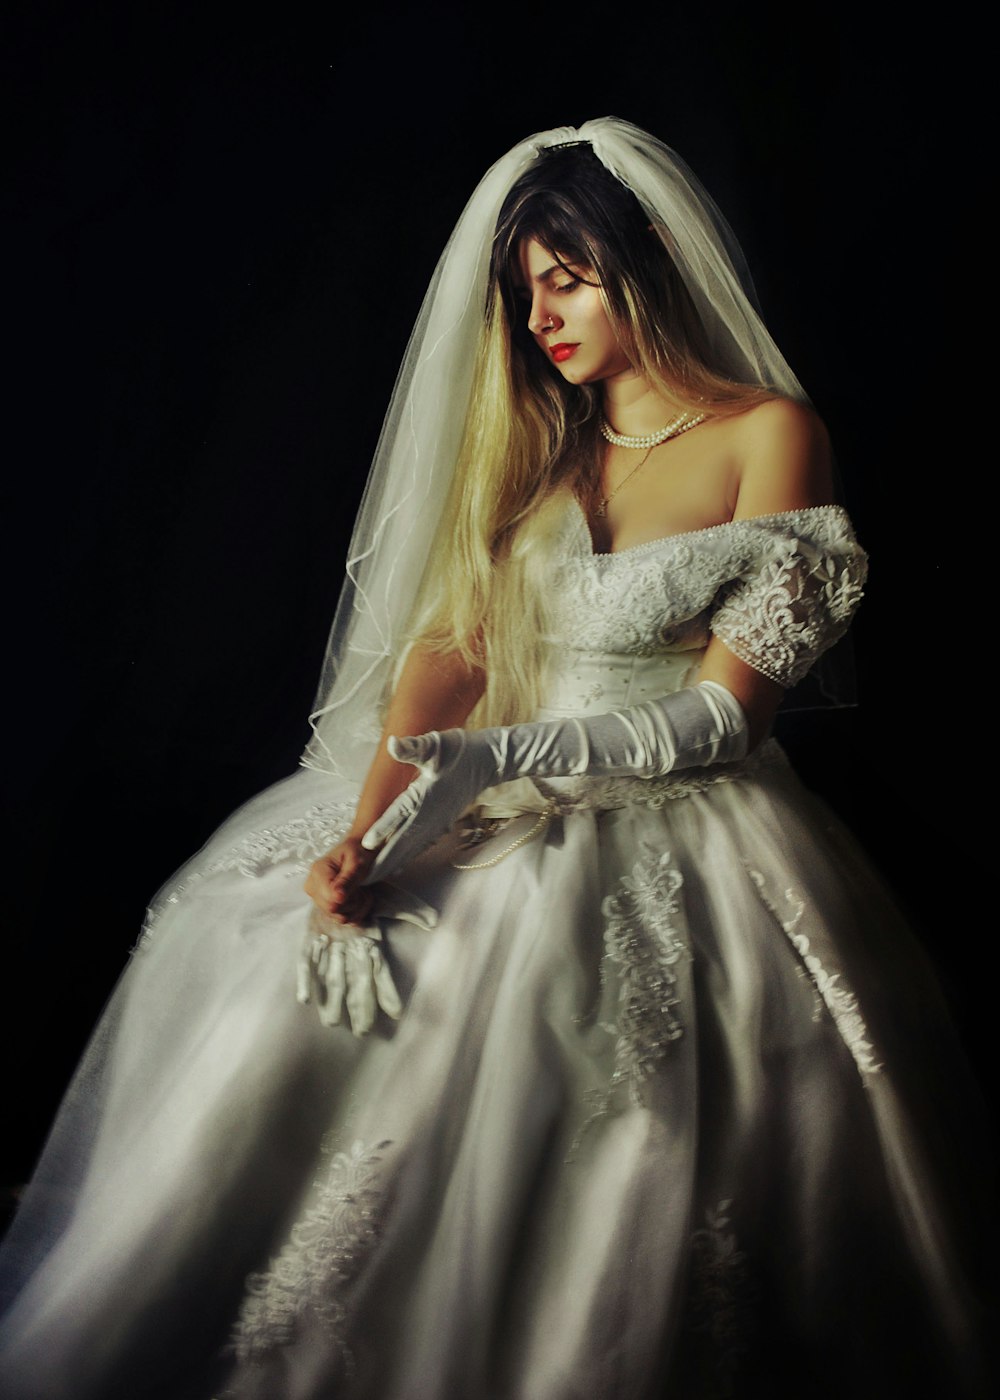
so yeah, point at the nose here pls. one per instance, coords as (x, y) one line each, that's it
(541, 317)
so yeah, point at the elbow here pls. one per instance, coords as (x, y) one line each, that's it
(760, 709)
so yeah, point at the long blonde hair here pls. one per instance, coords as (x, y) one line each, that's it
(531, 439)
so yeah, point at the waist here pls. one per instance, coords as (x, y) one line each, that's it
(591, 683)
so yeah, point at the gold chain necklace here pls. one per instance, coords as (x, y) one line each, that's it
(674, 429)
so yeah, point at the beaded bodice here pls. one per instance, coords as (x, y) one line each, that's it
(777, 589)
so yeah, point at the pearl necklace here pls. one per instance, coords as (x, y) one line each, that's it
(650, 440)
(677, 425)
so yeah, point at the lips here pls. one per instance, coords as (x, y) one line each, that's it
(562, 351)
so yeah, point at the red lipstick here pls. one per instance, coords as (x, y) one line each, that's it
(561, 352)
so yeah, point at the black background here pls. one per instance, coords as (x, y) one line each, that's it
(219, 226)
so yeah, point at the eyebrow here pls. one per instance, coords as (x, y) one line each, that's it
(542, 277)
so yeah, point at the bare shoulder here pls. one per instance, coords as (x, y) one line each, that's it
(785, 461)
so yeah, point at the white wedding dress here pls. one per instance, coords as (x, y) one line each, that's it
(641, 1129)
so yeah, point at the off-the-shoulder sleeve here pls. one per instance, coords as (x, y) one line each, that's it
(803, 578)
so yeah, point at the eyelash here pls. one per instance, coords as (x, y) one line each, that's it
(524, 296)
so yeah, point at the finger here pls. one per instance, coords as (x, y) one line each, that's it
(360, 987)
(324, 870)
(356, 909)
(323, 901)
(338, 903)
(304, 970)
(353, 866)
(392, 820)
(414, 748)
(340, 898)
(320, 886)
(334, 981)
(385, 987)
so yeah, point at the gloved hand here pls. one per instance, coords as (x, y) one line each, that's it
(689, 728)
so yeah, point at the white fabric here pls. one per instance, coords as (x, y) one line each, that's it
(641, 1129)
(691, 727)
(342, 968)
(413, 465)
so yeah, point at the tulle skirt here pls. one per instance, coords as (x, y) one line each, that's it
(657, 1119)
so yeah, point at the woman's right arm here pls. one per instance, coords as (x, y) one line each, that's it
(435, 691)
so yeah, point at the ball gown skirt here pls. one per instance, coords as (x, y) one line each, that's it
(637, 1133)
(650, 1124)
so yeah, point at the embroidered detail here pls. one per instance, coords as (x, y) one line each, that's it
(840, 1001)
(641, 939)
(783, 588)
(719, 1293)
(791, 608)
(630, 605)
(302, 839)
(323, 1255)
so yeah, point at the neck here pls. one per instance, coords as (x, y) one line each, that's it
(632, 406)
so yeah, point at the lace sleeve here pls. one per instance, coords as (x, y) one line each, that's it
(794, 599)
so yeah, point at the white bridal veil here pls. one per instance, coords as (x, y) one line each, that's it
(420, 438)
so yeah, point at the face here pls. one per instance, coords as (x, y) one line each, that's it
(567, 318)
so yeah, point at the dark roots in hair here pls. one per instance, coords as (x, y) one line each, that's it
(583, 214)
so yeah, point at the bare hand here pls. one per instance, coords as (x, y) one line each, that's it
(334, 883)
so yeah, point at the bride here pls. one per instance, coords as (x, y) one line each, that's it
(592, 1064)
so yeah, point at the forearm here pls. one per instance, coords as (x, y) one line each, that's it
(758, 696)
(693, 727)
(435, 691)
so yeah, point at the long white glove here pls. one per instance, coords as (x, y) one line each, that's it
(689, 728)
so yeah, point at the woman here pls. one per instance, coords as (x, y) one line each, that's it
(624, 1103)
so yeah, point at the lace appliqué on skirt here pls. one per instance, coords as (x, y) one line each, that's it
(300, 840)
(325, 1251)
(720, 1301)
(642, 949)
(641, 940)
(840, 1001)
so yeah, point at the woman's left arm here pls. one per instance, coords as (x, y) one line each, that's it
(785, 464)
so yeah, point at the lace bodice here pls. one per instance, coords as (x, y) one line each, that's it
(778, 590)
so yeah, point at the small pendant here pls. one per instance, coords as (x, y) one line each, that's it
(601, 510)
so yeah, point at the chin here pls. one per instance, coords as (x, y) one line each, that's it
(576, 374)
(591, 374)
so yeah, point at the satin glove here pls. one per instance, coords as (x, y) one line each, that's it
(689, 728)
(342, 966)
